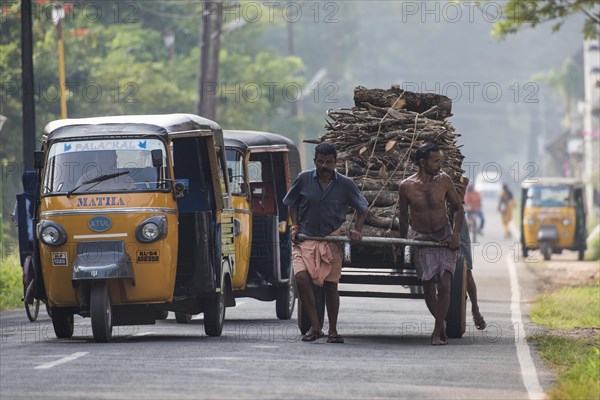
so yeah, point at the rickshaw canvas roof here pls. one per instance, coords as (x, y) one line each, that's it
(264, 141)
(552, 181)
(162, 125)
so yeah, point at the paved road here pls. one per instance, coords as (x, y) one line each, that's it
(387, 353)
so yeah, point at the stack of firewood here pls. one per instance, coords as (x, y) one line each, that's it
(376, 142)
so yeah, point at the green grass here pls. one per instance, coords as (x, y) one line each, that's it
(576, 361)
(568, 308)
(11, 288)
(577, 364)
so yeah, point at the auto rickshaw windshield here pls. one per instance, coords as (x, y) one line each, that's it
(72, 163)
(549, 196)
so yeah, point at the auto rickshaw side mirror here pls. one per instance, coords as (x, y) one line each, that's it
(157, 158)
(38, 159)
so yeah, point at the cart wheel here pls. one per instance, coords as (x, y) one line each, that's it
(303, 320)
(214, 313)
(417, 290)
(546, 250)
(286, 299)
(32, 309)
(456, 318)
(62, 321)
(183, 318)
(101, 312)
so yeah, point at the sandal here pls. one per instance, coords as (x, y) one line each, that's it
(311, 336)
(479, 323)
(335, 339)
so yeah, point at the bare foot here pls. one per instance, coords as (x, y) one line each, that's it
(439, 338)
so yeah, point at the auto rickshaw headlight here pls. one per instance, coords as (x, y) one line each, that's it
(152, 229)
(566, 222)
(51, 233)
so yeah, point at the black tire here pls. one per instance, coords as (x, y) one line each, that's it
(63, 322)
(214, 313)
(524, 249)
(456, 318)
(546, 250)
(32, 310)
(162, 314)
(581, 252)
(101, 312)
(183, 318)
(285, 300)
(303, 320)
(48, 310)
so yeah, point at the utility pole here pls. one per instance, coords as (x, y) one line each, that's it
(28, 104)
(210, 47)
(204, 56)
(58, 15)
(591, 124)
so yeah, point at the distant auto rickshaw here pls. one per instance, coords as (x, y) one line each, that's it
(134, 218)
(553, 216)
(262, 167)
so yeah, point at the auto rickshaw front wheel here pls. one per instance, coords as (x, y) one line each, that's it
(63, 322)
(214, 313)
(101, 312)
(546, 250)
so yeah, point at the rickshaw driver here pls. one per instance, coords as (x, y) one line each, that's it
(424, 194)
(317, 202)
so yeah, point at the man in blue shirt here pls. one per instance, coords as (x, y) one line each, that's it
(317, 201)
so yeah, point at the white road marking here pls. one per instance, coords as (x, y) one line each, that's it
(265, 347)
(528, 371)
(144, 333)
(63, 360)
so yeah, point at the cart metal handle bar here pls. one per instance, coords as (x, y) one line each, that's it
(374, 240)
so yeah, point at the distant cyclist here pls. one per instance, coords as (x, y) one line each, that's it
(473, 205)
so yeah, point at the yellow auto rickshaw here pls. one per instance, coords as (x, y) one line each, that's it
(133, 218)
(553, 216)
(262, 167)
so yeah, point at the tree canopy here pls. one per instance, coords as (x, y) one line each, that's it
(517, 14)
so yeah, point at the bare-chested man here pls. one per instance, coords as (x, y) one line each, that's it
(425, 195)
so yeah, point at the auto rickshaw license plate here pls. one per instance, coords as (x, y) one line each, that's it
(148, 256)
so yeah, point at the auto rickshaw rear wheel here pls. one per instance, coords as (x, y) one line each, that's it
(63, 322)
(581, 252)
(214, 313)
(101, 312)
(285, 300)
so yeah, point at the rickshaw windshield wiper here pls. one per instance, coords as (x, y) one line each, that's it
(98, 179)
